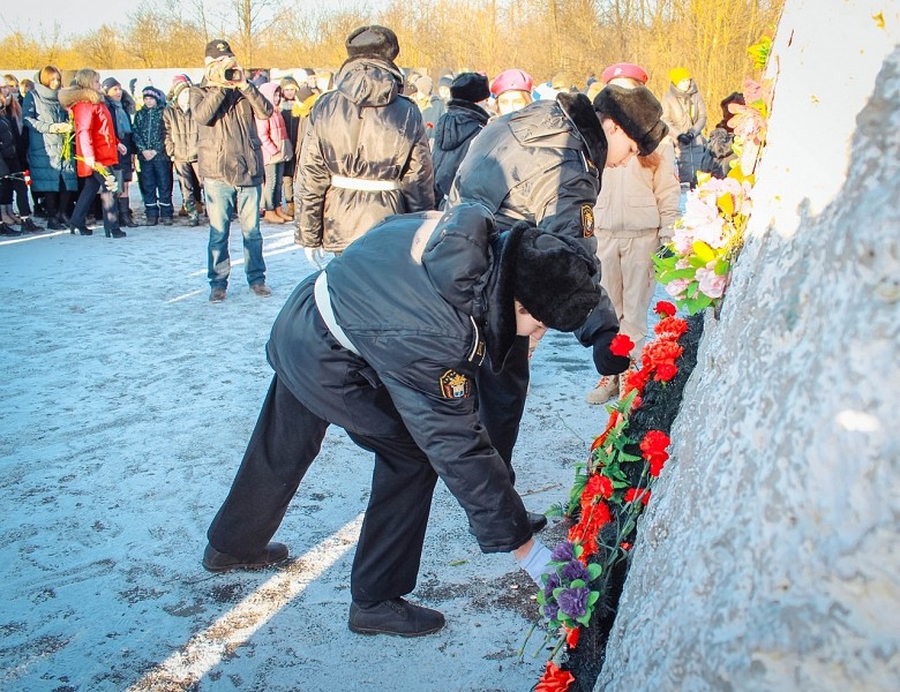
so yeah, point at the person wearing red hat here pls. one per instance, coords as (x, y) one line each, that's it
(512, 90)
(636, 208)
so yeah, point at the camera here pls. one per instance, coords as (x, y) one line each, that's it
(233, 74)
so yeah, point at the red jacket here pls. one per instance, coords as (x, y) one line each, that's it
(95, 132)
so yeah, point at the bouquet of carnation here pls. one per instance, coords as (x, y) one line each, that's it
(706, 241)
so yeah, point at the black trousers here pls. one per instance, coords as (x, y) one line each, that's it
(284, 443)
(501, 400)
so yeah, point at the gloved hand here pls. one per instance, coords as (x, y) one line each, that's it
(315, 256)
(535, 563)
(604, 360)
(685, 138)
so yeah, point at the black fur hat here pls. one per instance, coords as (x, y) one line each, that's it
(553, 277)
(470, 86)
(636, 111)
(373, 41)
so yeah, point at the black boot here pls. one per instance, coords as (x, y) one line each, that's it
(29, 226)
(126, 218)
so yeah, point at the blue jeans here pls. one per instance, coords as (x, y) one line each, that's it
(271, 198)
(221, 201)
(155, 180)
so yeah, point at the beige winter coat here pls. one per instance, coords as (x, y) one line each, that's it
(636, 201)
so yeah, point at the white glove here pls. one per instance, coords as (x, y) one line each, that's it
(315, 256)
(535, 563)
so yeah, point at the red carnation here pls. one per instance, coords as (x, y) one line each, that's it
(653, 449)
(635, 379)
(665, 308)
(671, 328)
(635, 494)
(621, 345)
(554, 679)
(665, 372)
(572, 636)
(598, 485)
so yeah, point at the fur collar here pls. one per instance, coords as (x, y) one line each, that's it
(580, 112)
(500, 322)
(69, 96)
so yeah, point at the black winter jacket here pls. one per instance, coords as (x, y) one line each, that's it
(228, 146)
(420, 296)
(541, 164)
(364, 131)
(452, 136)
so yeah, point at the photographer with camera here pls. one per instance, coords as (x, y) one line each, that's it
(229, 158)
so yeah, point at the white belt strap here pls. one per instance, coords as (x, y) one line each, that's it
(364, 185)
(323, 303)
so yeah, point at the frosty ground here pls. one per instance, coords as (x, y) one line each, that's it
(127, 401)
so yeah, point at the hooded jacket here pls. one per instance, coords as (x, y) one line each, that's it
(228, 146)
(363, 131)
(148, 129)
(95, 131)
(541, 164)
(455, 130)
(272, 131)
(420, 297)
(684, 111)
(40, 110)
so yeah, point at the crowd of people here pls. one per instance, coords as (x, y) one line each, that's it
(464, 221)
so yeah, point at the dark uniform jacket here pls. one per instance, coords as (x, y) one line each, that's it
(421, 306)
(363, 131)
(541, 164)
(452, 136)
(228, 147)
(149, 132)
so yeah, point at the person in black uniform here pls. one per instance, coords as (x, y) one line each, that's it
(386, 343)
(542, 164)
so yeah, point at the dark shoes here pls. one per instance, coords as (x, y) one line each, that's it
(217, 295)
(537, 521)
(116, 233)
(397, 617)
(167, 221)
(29, 226)
(6, 229)
(261, 290)
(214, 561)
(55, 225)
(82, 230)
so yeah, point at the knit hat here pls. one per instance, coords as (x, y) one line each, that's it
(109, 83)
(424, 86)
(218, 48)
(154, 92)
(373, 41)
(561, 82)
(181, 79)
(288, 82)
(636, 111)
(553, 277)
(625, 69)
(678, 74)
(177, 88)
(470, 86)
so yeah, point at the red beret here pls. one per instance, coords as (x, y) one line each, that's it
(624, 69)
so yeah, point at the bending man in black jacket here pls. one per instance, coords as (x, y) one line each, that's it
(542, 164)
(386, 343)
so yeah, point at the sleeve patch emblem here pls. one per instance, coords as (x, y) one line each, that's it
(455, 385)
(587, 220)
